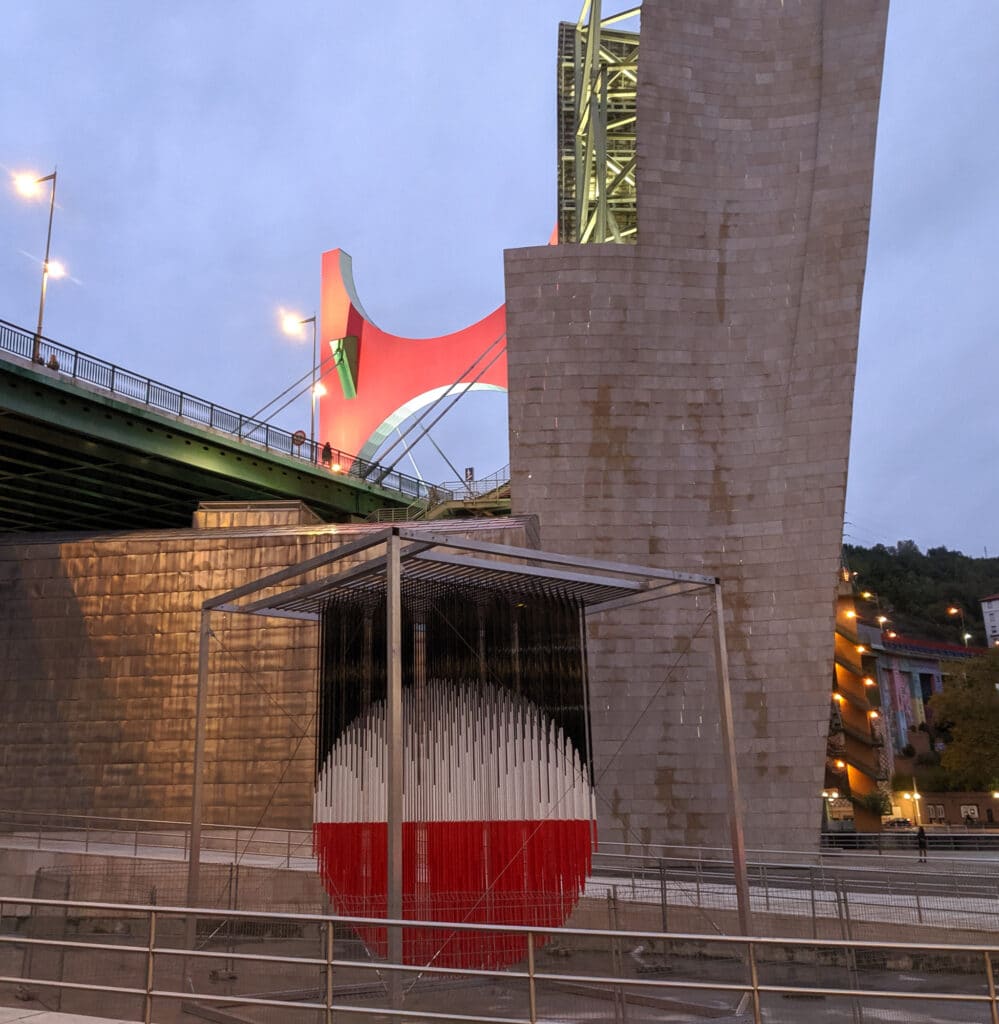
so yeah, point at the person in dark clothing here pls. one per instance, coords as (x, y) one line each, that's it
(921, 844)
(327, 454)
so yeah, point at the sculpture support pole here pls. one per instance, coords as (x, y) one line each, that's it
(394, 739)
(197, 785)
(731, 766)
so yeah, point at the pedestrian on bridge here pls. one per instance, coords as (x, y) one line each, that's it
(921, 844)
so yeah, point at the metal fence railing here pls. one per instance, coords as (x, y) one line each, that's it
(889, 897)
(274, 847)
(857, 896)
(97, 373)
(464, 490)
(142, 962)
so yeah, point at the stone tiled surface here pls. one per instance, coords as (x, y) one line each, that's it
(17, 1015)
(686, 402)
(98, 668)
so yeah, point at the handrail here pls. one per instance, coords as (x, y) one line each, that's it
(79, 366)
(466, 490)
(155, 944)
(874, 847)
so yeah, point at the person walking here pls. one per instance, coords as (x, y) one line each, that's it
(327, 455)
(921, 844)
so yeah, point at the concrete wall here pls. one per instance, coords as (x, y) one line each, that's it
(98, 669)
(686, 402)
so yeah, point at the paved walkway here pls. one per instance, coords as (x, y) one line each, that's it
(10, 1014)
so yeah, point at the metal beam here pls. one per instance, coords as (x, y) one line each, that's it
(597, 111)
(197, 783)
(731, 767)
(395, 781)
(555, 558)
(529, 571)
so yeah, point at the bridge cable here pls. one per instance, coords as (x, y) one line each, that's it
(440, 398)
(455, 400)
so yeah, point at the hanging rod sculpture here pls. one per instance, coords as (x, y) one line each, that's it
(498, 823)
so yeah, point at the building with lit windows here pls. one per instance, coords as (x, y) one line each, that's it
(990, 615)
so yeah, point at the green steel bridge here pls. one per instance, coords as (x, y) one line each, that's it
(87, 445)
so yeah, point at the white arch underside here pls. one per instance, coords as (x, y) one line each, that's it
(410, 408)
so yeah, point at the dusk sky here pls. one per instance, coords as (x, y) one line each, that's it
(208, 153)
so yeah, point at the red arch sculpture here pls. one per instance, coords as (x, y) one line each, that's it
(375, 380)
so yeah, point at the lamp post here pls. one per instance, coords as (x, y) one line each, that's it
(915, 796)
(292, 325)
(955, 610)
(828, 795)
(318, 390)
(29, 187)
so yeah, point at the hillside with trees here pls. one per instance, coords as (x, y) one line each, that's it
(915, 589)
(967, 711)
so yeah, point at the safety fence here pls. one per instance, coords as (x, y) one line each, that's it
(144, 837)
(895, 897)
(472, 487)
(963, 839)
(688, 889)
(158, 963)
(104, 376)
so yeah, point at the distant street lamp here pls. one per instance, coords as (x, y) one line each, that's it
(955, 610)
(915, 796)
(292, 326)
(30, 187)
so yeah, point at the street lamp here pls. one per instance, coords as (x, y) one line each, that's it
(318, 390)
(955, 610)
(915, 796)
(292, 326)
(30, 187)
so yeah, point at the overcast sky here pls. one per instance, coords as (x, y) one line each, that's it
(208, 152)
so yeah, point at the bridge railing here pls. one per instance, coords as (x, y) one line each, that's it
(465, 490)
(98, 373)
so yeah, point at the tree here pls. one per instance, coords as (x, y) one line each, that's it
(968, 709)
(915, 590)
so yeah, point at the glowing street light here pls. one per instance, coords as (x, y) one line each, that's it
(915, 796)
(955, 610)
(30, 187)
(292, 324)
(27, 185)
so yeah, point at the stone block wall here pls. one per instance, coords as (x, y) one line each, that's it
(686, 403)
(98, 669)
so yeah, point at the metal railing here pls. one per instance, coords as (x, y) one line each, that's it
(465, 490)
(134, 961)
(844, 895)
(938, 839)
(97, 373)
(81, 833)
(872, 900)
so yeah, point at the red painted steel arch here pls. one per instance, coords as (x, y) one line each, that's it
(393, 376)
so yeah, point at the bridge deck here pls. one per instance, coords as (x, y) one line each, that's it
(88, 445)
